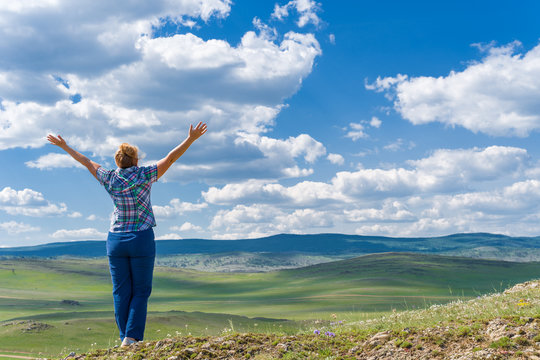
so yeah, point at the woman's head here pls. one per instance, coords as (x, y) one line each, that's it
(126, 156)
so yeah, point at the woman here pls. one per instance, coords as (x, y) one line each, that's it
(130, 242)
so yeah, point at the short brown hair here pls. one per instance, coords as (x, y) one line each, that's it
(126, 156)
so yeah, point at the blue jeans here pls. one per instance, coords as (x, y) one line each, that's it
(131, 262)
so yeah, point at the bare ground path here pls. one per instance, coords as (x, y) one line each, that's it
(15, 356)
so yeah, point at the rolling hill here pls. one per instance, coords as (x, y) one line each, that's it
(290, 251)
(34, 312)
(335, 246)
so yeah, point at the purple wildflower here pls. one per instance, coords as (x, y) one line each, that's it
(316, 332)
(329, 333)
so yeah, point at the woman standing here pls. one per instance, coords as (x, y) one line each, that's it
(130, 243)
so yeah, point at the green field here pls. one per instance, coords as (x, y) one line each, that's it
(35, 320)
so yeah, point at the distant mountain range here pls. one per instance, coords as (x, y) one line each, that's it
(477, 245)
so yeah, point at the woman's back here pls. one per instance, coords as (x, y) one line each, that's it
(130, 191)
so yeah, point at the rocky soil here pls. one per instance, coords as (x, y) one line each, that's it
(513, 337)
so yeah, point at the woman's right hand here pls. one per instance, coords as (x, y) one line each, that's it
(58, 141)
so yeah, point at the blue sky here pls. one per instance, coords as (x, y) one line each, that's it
(376, 118)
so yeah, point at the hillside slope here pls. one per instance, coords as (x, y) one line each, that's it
(500, 326)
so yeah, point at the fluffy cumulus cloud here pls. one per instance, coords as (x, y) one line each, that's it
(336, 159)
(512, 209)
(399, 144)
(169, 236)
(38, 35)
(187, 226)
(459, 190)
(306, 9)
(13, 227)
(79, 234)
(116, 78)
(497, 95)
(356, 131)
(305, 193)
(375, 122)
(391, 211)
(262, 220)
(28, 202)
(53, 160)
(443, 171)
(176, 208)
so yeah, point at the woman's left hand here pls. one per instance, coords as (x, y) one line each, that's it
(199, 130)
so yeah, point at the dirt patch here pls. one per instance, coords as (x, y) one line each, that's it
(29, 326)
(70, 302)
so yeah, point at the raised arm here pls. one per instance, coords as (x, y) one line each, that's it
(164, 164)
(61, 143)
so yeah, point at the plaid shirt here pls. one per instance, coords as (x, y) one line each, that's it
(130, 191)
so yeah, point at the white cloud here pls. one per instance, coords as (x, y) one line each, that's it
(307, 9)
(86, 234)
(302, 219)
(13, 227)
(187, 226)
(461, 190)
(52, 161)
(306, 193)
(251, 156)
(170, 236)
(104, 35)
(466, 165)
(210, 54)
(399, 144)
(332, 39)
(512, 209)
(336, 159)
(302, 145)
(242, 215)
(518, 196)
(28, 202)
(496, 96)
(91, 217)
(356, 131)
(445, 171)
(262, 220)
(139, 87)
(391, 211)
(176, 208)
(9, 196)
(36, 211)
(75, 214)
(375, 122)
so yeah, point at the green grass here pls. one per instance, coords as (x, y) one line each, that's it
(356, 290)
(81, 332)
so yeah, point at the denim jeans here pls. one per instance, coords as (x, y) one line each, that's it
(131, 262)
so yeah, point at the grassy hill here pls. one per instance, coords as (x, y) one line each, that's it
(201, 303)
(506, 327)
